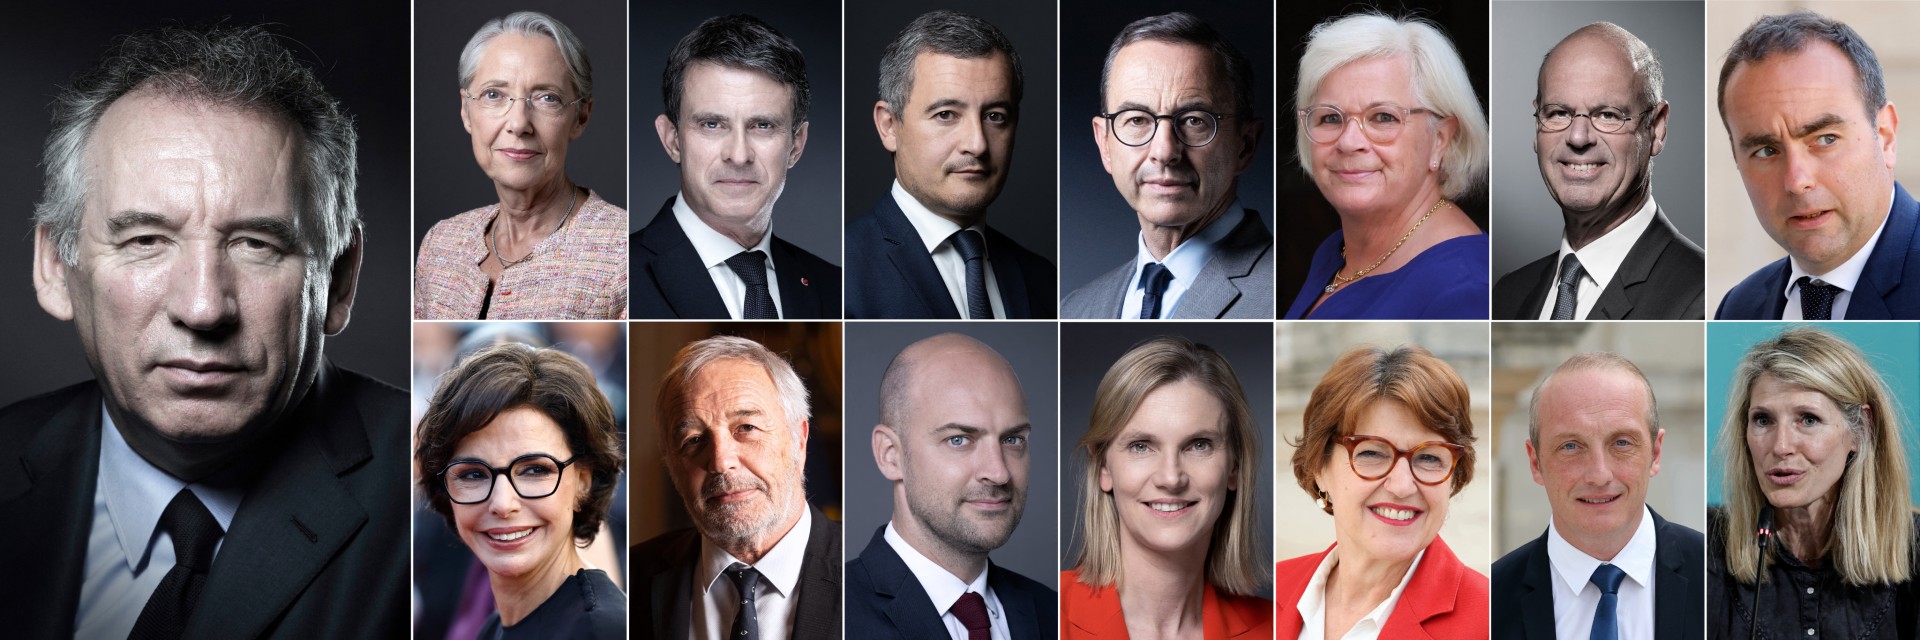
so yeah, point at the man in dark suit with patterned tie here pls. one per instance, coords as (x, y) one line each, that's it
(1599, 121)
(736, 96)
(957, 460)
(950, 87)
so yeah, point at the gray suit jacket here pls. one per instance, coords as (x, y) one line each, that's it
(1237, 282)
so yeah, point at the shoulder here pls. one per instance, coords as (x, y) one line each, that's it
(606, 606)
(460, 226)
(674, 548)
(1510, 569)
(1753, 288)
(1522, 280)
(1004, 579)
(802, 257)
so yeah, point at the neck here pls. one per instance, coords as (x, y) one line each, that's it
(1360, 582)
(1163, 239)
(1584, 228)
(746, 233)
(1162, 594)
(1806, 531)
(963, 565)
(752, 548)
(516, 597)
(1602, 546)
(1370, 235)
(534, 213)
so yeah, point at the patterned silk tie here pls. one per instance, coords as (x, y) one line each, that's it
(1568, 299)
(751, 266)
(1816, 298)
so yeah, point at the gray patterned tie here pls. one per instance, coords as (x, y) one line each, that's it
(746, 623)
(973, 250)
(1816, 298)
(751, 266)
(1569, 296)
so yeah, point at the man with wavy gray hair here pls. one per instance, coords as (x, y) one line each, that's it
(950, 88)
(198, 227)
(759, 562)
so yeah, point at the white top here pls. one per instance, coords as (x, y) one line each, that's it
(1313, 603)
(1846, 276)
(1599, 260)
(945, 589)
(127, 554)
(1185, 261)
(937, 234)
(774, 595)
(1575, 596)
(714, 249)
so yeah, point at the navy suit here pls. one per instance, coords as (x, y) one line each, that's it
(890, 274)
(1523, 587)
(1878, 295)
(669, 281)
(884, 600)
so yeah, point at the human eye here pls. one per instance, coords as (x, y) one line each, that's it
(1609, 116)
(474, 473)
(145, 244)
(1554, 112)
(1138, 446)
(1370, 454)
(945, 115)
(1135, 119)
(1826, 140)
(1383, 117)
(998, 117)
(536, 470)
(1569, 446)
(958, 441)
(692, 442)
(1329, 117)
(1014, 441)
(1201, 446)
(1761, 420)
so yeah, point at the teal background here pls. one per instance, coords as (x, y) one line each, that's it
(1892, 347)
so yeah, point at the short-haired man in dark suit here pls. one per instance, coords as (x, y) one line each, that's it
(1600, 120)
(1607, 566)
(958, 462)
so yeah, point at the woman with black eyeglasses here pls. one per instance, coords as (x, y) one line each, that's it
(518, 451)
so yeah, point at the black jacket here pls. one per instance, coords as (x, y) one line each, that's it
(884, 600)
(668, 280)
(1523, 588)
(891, 275)
(662, 596)
(1663, 278)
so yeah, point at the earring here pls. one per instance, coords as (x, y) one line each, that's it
(1435, 165)
(1321, 502)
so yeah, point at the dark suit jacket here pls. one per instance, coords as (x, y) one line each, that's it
(1444, 599)
(885, 600)
(891, 275)
(1663, 278)
(1523, 591)
(668, 280)
(1878, 295)
(317, 550)
(662, 593)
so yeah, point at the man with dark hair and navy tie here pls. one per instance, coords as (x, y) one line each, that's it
(1608, 567)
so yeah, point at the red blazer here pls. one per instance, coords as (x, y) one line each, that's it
(1444, 599)
(1089, 612)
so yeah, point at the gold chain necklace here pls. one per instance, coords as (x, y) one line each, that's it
(1340, 280)
(493, 242)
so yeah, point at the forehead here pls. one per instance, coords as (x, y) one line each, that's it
(513, 433)
(727, 385)
(1792, 88)
(711, 86)
(1176, 410)
(1394, 421)
(1367, 81)
(1588, 67)
(1152, 72)
(1587, 399)
(180, 156)
(947, 382)
(937, 76)
(1770, 390)
(511, 57)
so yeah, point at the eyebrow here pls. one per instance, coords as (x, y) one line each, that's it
(281, 230)
(128, 219)
(1825, 121)
(1192, 105)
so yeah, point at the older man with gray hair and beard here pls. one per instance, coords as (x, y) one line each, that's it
(217, 477)
(953, 440)
(759, 562)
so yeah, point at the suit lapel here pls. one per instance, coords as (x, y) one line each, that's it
(1888, 264)
(677, 272)
(817, 611)
(906, 603)
(1214, 290)
(1536, 604)
(1537, 298)
(797, 294)
(1023, 620)
(1109, 293)
(1006, 273)
(53, 484)
(1669, 619)
(668, 592)
(910, 260)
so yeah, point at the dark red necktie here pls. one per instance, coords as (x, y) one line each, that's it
(972, 612)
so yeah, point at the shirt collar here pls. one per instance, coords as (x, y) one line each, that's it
(779, 569)
(1187, 259)
(1602, 257)
(1847, 275)
(942, 587)
(1313, 600)
(934, 230)
(1575, 567)
(138, 493)
(714, 249)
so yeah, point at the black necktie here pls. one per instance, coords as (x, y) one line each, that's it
(1153, 278)
(194, 533)
(1816, 298)
(1606, 626)
(1569, 296)
(746, 623)
(973, 249)
(751, 266)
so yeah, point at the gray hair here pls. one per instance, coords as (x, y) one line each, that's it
(697, 355)
(1591, 361)
(244, 68)
(532, 24)
(1651, 77)
(1181, 27)
(947, 33)
(740, 42)
(1788, 33)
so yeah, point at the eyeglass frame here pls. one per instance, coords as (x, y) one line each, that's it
(1115, 131)
(1541, 125)
(495, 473)
(511, 100)
(1350, 441)
(1365, 130)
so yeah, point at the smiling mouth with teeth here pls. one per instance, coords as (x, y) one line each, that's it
(510, 537)
(1599, 500)
(1395, 514)
(1169, 507)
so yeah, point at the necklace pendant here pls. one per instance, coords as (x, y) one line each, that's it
(1331, 287)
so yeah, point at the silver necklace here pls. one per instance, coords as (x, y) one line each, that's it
(493, 236)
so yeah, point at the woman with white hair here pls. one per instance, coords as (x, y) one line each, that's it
(1392, 133)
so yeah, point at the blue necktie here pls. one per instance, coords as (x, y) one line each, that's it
(1605, 625)
(973, 250)
(1153, 278)
(1816, 298)
(746, 621)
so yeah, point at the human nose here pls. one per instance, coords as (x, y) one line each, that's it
(1800, 171)
(1399, 480)
(1165, 147)
(973, 137)
(736, 147)
(1353, 135)
(201, 296)
(1170, 475)
(505, 500)
(519, 116)
(723, 456)
(1580, 132)
(993, 468)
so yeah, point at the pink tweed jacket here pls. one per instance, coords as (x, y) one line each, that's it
(579, 272)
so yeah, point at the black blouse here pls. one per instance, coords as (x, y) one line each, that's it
(587, 605)
(1804, 603)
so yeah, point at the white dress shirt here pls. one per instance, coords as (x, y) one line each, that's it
(714, 249)
(944, 589)
(1846, 276)
(127, 554)
(1185, 262)
(719, 600)
(1313, 603)
(1599, 260)
(937, 234)
(1575, 596)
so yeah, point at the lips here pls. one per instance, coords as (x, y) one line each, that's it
(189, 374)
(1599, 500)
(1394, 514)
(509, 538)
(1580, 170)
(1809, 220)
(1169, 508)
(1785, 476)
(519, 154)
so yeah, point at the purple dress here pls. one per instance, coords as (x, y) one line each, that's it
(1448, 281)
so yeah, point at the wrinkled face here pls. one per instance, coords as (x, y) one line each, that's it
(953, 142)
(1169, 470)
(525, 145)
(516, 537)
(1589, 172)
(193, 299)
(1595, 455)
(1355, 173)
(734, 143)
(1393, 518)
(1799, 441)
(733, 456)
(966, 448)
(1818, 171)
(1166, 182)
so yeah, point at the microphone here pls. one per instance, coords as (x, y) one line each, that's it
(1764, 534)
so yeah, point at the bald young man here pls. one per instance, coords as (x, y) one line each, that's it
(954, 443)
